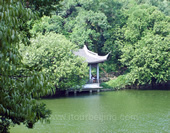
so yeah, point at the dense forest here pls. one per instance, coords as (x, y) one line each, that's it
(38, 37)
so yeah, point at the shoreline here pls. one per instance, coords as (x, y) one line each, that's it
(165, 86)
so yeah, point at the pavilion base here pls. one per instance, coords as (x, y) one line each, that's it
(95, 87)
(92, 86)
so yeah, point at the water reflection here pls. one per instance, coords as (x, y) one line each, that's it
(118, 111)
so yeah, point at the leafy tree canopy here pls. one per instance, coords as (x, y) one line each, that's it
(89, 29)
(146, 45)
(18, 85)
(94, 23)
(53, 55)
(136, 34)
(43, 7)
(48, 24)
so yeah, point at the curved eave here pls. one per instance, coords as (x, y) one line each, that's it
(104, 58)
(91, 57)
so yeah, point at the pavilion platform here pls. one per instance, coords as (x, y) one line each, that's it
(90, 90)
(93, 60)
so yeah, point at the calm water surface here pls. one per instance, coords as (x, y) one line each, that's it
(107, 112)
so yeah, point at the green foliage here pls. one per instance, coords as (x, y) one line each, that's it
(163, 5)
(43, 7)
(120, 27)
(136, 35)
(150, 63)
(146, 45)
(109, 66)
(119, 83)
(111, 26)
(95, 24)
(89, 29)
(88, 22)
(53, 55)
(105, 85)
(48, 24)
(18, 85)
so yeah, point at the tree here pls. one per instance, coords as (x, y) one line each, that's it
(90, 29)
(18, 85)
(43, 7)
(95, 24)
(146, 45)
(53, 55)
(48, 24)
(163, 5)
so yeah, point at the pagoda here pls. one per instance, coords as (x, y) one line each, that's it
(93, 60)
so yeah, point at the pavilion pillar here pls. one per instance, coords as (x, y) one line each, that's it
(90, 71)
(98, 72)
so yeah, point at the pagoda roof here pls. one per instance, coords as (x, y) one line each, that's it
(90, 57)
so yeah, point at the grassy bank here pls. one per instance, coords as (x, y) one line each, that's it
(123, 82)
(119, 83)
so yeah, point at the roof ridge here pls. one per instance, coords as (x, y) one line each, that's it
(91, 57)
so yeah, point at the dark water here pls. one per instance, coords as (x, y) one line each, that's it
(128, 111)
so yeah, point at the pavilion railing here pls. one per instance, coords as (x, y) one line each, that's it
(91, 81)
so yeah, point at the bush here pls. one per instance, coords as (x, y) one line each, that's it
(120, 82)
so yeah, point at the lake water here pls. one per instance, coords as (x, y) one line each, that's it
(127, 111)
